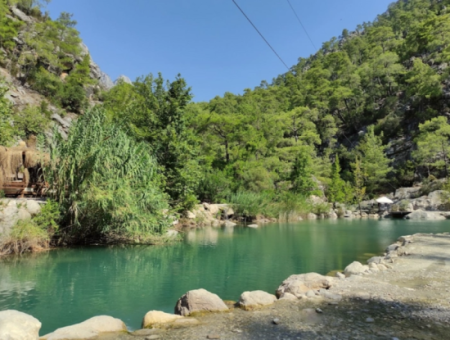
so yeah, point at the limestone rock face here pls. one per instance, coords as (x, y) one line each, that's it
(199, 300)
(297, 285)
(355, 268)
(256, 299)
(157, 318)
(15, 325)
(88, 329)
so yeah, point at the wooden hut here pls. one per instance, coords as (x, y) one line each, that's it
(21, 171)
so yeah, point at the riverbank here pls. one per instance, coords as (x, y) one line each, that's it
(408, 300)
(406, 297)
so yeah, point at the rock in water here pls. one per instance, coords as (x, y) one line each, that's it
(297, 285)
(199, 300)
(256, 299)
(17, 325)
(88, 329)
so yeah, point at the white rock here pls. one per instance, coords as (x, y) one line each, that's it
(88, 329)
(199, 300)
(355, 268)
(288, 296)
(15, 325)
(190, 215)
(297, 285)
(229, 224)
(23, 215)
(255, 299)
(33, 207)
(252, 226)
(311, 216)
(156, 318)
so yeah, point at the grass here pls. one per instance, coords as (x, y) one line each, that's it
(25, 236)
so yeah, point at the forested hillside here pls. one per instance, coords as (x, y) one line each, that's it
(366, 114)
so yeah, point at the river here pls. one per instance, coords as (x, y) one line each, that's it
(67, 286)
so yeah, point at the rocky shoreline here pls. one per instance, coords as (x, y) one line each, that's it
(403, 294)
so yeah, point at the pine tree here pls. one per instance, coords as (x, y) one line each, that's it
(336, 190)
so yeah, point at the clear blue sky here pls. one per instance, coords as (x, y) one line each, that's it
(209, 42)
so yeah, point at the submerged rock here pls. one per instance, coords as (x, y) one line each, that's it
(17, 325)
(199, 300)
(256, 299)
(88, 329)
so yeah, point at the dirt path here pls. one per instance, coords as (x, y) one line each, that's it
(411, 300)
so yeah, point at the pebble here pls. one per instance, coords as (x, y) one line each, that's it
(213, 336)
(152, 337)
(370, 320)
(318, 310)
(276, 321)
(237, 330)
(395, 339)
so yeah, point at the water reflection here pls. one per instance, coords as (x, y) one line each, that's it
(67, 286)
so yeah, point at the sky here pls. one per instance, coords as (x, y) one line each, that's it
(209, 42)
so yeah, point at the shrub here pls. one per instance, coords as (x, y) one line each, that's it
(25, 236)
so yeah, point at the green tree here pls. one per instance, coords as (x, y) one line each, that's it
(301, 175)
(424, 81)
(337, 188)
(374, 163)
(358, 181)
(433, 148)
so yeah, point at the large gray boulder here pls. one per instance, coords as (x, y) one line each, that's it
(88, 329)
(297, 285)
(425, 215)
(199, 300)
(355, 268)
(15, 325)
(256, 299)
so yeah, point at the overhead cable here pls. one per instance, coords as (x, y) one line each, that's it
(304, 28)
(245, 15)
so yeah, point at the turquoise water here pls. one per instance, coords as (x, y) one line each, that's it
(67, 286)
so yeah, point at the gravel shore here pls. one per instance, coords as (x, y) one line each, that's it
(410, 300)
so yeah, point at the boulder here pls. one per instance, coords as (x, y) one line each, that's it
(227, 211)
(190, 215)
(15, 325)
(406, 193)
(21, 15)
(157, 318)
(256, 299)
(425, 215)
(332, 215)
(311, 216)
(33, 207)
(88, 329)
(229, 224)
(376, 260)
(23, 215)
(297, 285)
(288, 296)
(212, 208)
(199, 300)
(355, 268)
(253, 226)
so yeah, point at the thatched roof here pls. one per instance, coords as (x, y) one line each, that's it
(18, 159)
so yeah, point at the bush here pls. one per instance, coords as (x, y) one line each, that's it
(25, 236)
(106, 184)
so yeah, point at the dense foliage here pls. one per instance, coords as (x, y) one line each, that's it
(106, 184)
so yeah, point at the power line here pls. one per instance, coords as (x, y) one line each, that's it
(304, 28)
(245, 15)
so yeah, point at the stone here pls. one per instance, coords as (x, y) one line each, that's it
(90, 328)
(253, 226)
(392, 247)
(33, 207)
(382, 267)
(425, 215)
(21, 15)
(310, 294)
(190, 215)
(199, 300)
(370, 320)
(213, 336)
(23, 215)
(332, 215)
(146, 332)
(373, 266)
(355, 268)
(276, 321)
(330, 296)
(256, 299)
(340, 275)
(185, 322)
(288, 296)
(375, 259)
(212, 208)
(157, 318)
(123, 79)
(311, 216)
(297, 285)
(318, 310)
(62, 122)
(15, 325)
(230, 224)
(171, 233)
